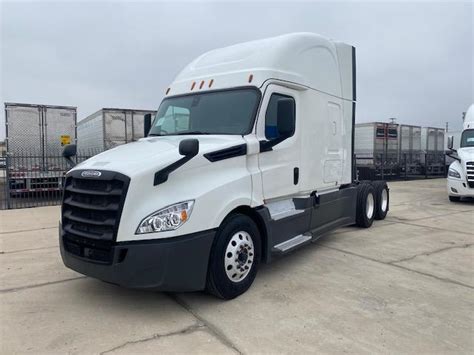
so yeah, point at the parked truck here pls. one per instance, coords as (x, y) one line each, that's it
(110, 127)
(432, 149)
(409, 148)
(35, 137)
(460, 182)
(377, 150)
(248, 158)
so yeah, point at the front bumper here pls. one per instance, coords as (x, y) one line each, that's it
(459, 188)
(172, 264)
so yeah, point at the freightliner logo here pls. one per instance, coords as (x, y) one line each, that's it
(91, 173)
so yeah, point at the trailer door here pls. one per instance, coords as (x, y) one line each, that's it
(24, 134)
(115, 128)
(59, 129)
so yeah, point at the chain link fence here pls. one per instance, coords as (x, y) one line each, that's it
(32, 179)
(408, 166)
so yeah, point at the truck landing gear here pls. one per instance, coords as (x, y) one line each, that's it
(234, 257)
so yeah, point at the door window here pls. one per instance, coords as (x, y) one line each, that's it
(271, 126)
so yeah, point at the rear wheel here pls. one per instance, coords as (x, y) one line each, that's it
(381, 199)
(365, 211)
(454, 198)
(235, 256)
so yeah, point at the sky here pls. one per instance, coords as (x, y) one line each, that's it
(415, 60)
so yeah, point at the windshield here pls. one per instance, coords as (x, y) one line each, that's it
(218, 112)
(467, 138)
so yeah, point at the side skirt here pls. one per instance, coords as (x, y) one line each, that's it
(316, 215)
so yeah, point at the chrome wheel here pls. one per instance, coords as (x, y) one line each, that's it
(369, 205)
(239, 256)
(384, 200)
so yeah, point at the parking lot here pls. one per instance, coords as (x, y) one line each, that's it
(406, 285)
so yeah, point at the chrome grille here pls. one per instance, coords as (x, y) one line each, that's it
(91, 213)
(470, 173)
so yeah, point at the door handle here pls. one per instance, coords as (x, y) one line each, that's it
(296, 175)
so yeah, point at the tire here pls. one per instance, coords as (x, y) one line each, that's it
(232, 268)
(454, 198)
(382, 199)
(365, 209)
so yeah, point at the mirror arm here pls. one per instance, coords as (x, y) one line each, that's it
(161, 176)
(267, 145)
(452, 156)
(71, 162)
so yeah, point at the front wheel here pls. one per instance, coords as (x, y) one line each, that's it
(234, 258)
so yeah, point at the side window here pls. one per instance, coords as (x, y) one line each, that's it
(271, 127)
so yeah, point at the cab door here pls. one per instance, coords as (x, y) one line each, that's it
(279, 158)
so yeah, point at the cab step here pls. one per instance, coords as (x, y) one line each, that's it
(292, 243)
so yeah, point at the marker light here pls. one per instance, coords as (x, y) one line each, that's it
(192, 86)
(169, 218)
(167, 91)
(211, 82)
(202, 84)
(250, 78)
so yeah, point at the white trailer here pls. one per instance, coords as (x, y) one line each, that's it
(110, 127)
(249, 157)
(35, 137)
(432, 149)
(377, 150)
(409, 145)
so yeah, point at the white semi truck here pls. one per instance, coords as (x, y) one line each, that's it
(249, 157)
(461, 171)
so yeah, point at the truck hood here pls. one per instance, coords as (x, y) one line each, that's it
(154, 153)
(466, 154)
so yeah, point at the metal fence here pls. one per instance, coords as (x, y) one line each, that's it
(32, 179)
(408, 166)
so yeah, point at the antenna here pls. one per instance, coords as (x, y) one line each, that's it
(447, 126)
(392, 120)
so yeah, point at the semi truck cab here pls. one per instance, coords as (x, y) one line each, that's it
(249, 156)
(460, 182)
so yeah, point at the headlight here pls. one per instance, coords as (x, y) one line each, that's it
(166, 219)
(453, 173)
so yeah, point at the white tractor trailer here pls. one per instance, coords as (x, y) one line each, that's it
(460, 180)
(249, 157)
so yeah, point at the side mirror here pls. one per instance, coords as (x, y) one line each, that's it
(189, 147)
(70, 151)
(146, 124)
(450, 142)
(286, 117)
